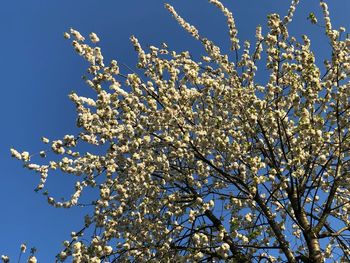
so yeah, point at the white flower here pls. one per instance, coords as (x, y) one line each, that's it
(95, 260)
(16, 154)
(45, 140)
(25, 156)
(248, 217)
(63, 255)
(244, 239)
(32, 259)
(77, 246)
(94, 38)
(66, 35)
(107, 250)
(23, 248)
(33, 166)
(77, 35)
(5, 259)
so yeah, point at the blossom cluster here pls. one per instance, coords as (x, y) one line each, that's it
(199, 161)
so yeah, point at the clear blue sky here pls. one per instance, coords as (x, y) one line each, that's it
(38, 69)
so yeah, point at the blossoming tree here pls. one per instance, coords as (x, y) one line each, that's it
(199, 162)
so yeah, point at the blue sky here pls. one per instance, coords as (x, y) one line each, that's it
(38, 69)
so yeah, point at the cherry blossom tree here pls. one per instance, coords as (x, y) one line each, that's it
(199, 162)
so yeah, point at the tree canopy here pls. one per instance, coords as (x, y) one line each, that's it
(195, 160)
